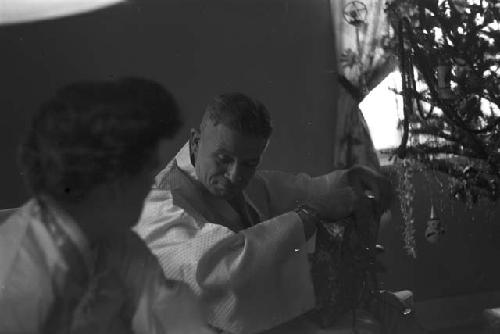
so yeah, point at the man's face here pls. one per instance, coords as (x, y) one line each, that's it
(225, 160)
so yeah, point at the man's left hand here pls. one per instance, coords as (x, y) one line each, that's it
(370, 183)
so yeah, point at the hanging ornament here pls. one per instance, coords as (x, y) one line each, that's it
(474, 81)
(461, 69)
(460, 5)
(435, 229)
(493, 185)
(444, 81)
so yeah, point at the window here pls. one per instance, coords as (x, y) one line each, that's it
(382, 109)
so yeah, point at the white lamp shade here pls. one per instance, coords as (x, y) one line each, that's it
(20, 11)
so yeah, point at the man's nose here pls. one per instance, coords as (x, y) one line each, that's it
(233, 173)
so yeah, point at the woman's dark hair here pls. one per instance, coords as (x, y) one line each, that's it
(94, 132)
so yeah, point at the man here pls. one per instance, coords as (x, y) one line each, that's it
(68, 260)
(240, 238)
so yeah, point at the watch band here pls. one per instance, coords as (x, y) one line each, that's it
(309, 212)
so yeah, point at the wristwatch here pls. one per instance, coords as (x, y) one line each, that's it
(306, 212)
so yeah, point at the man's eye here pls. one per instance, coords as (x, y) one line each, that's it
(251, 164)
(224, 159)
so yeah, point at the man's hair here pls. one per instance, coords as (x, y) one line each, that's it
(94, 132)
(240, 113)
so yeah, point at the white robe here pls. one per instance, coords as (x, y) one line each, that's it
(252, 279)
(32, 268)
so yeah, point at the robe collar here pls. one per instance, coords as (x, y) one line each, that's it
(69, 226)
(180, 178)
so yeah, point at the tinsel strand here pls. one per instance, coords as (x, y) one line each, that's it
(406, 193)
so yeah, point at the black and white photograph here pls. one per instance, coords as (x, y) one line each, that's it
(249, 166)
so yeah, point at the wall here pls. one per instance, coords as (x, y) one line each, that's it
(279, 51)
(463, 262)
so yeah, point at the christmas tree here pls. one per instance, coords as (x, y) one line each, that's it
(449, 54)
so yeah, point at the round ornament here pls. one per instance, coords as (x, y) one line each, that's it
(435, 229)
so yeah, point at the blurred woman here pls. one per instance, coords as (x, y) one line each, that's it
(69, 262)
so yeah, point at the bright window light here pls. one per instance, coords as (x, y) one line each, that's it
(382, 109)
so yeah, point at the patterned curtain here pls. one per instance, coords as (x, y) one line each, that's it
(361, 40)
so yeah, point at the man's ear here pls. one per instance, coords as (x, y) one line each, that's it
(265, 147)
(194, 141)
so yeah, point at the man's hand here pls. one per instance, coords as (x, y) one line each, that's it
(367, 182)
(339, 203)
(365, 192)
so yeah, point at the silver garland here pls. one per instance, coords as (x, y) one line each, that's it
(406, 193)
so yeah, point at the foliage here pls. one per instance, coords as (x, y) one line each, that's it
(449, 54)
